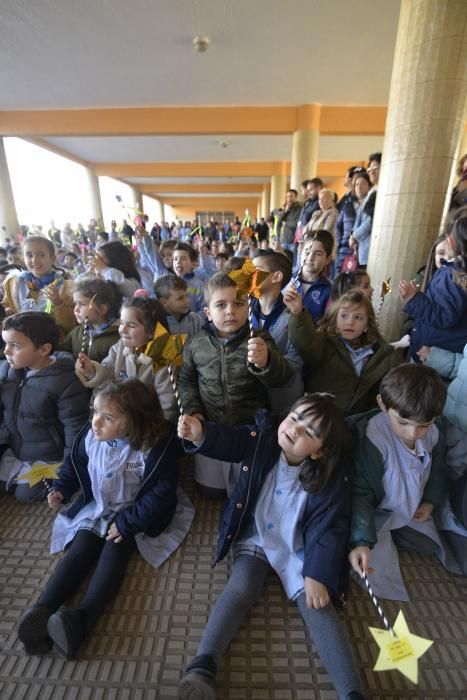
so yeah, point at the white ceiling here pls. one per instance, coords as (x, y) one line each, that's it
(115, 53)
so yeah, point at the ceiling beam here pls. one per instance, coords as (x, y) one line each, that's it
(158, 188)
(173, 121)
(192, 169)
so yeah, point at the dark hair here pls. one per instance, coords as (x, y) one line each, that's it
(121, 258)
(305, 183)
(234, 263)
(362, 176)
(330, 427)
(70, 252)
(168, 245)
(375, 156)
(317, 181)
(345, 281)
(8, 267)
(291, 189)
(288, 254)
(430, 267)
(103, 234)
(322, 236)
(353, 297)
(165, 285)
(38, 326)
(13, 249)
(103, 293)
(3, 251)
(150, 312)
(221, 256)
(414, 391)
(459, 236)
(187, 248)
(140, 405)
(220, 280)
(275, 262)
(41, 239)
(354, 169)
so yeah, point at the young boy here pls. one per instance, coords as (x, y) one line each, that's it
(225, 374)
(311, 282)
(172, 292)
(400, 478)
(43, 403)
(185, 261)
(158, 260)
(271, 314)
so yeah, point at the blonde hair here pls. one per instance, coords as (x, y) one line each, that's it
(353, 297)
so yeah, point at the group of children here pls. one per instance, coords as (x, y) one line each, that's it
(371, 458)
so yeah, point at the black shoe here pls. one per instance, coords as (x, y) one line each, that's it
(32, 630)
(67, 628)
(355, 695)
(199, 679)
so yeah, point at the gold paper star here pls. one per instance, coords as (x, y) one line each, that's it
(401, 652)
(385, 287)
(39, 471)
(165, 349)
(248, 279)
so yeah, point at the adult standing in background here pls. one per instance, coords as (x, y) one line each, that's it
(288, 220)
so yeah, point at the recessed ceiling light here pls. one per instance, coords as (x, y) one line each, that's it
(223, 144)
(201, 43)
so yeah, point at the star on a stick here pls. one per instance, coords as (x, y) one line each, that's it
(402, 652)
(165, 349)
(248, 279)
(40, 471)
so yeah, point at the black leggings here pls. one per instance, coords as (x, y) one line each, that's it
(86, 551)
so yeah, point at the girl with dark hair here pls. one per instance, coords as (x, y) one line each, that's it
(124, 466)
(114, 262)
(440, 313)
(127, 358)
(289, 511)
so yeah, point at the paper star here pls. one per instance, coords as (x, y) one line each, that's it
(165, 349)
(248, 279)
(401, 652)
(385, 287)
(39, 471)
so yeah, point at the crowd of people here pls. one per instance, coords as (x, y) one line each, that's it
(331, 447)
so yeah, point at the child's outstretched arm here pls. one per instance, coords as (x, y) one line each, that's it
(190, 428)
(445, 306)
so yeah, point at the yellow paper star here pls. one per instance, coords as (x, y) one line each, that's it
(165, 349)
(401, 652)
(385, 287)
(39, 471)
(248, 279)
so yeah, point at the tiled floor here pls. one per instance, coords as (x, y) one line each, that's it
(139, 647)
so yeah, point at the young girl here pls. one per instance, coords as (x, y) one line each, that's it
(290, 510)
(124, 466)
(43, 286)
(440, 314)
(97, 306)
(347, 356)
(114, 262)
(355, 279)
(126, 359)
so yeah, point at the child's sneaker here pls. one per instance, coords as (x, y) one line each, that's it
(32, 630)
(199, 680)
(67, 628)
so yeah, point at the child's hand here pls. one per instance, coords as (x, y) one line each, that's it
(113, 534)
(140, 233)
(293, 300)
(423, 353)
(190, 428)
(55, 499)
(359, 557)
(97, 264)
(258, 352)
(53, 294)
(407, 290)
(317, 595)
(85, 366)
(423, 512)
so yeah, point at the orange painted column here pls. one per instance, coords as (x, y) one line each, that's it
(9, 225)
(305, 144)
(94, 195)
(266, 201)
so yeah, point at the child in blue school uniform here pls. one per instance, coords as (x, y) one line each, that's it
(289, 510)
(124, 468)
(311, 281)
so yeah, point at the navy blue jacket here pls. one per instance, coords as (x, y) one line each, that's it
(439, 315)
(326, 519)
(156, 499)
(344, 226)
(316, 297)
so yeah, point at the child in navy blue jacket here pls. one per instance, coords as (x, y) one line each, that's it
(289, 510)
(125, 468)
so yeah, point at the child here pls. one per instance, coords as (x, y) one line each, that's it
(172, 292)
(126, 359)
(124, 468)
(347, 356)
(400, 478)
(355, 279)
(97, 306)
(43, 287)
(43, 404)
(185, 260)
(226, 374)
(311, 283)
(114, 262)
(440, 314)
(290, 510)
(269, 313)
(158, 260)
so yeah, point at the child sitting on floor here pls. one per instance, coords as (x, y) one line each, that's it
(125, 468)
(400, 478)
(43, 403)
(290, 511)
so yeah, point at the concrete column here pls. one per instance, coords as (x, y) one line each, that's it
(159, 210)
(266, 201)
(9, 225)
(94, 195)
(305, 143)
(258, 210)
(136, 199)
(423, 129)
(278, 185)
